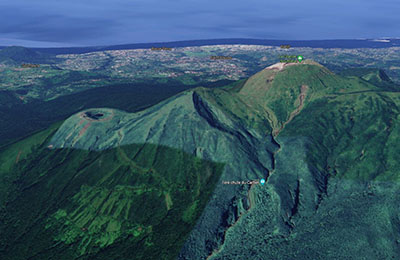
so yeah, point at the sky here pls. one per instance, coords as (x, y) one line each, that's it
(55, 23)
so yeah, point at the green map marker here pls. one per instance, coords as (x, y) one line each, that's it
(300, 58)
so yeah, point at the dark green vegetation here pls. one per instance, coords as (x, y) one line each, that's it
(353, 135)
(326, 144)
(18, 119)
(273, 97)
(15, 55)
(332, 192)
(377, 77)
(335, 176)
(131, 202)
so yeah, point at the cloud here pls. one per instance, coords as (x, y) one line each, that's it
(101, 22)
(25, 25)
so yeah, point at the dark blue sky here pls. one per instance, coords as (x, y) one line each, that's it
(101, 22)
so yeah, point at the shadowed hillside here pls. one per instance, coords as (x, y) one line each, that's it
(16, 55)
(68, 204)
(326, 145)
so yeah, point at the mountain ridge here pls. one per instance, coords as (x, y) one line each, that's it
(198, 122)
(314, 136)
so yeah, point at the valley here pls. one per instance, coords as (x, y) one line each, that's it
(104, 172)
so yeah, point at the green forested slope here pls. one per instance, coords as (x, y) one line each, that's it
(133, 202)
(117, 185)
(334, 189)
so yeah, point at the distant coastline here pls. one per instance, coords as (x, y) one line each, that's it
(345, 43)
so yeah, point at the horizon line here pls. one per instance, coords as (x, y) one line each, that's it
(378, 39)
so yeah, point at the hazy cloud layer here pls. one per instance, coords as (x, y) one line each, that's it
(100, 22)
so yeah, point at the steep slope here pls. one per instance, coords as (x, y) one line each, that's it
(77, 204)
(324, 143)
(279, 92)
(335, 185)
(188, 122)
(377, 77)
(244, 126)
(18, 119)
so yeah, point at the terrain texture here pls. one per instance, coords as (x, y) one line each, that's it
(153, 184)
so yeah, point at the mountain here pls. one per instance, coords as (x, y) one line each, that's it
(18, 55)
(153, 184)
(378, 77)
(138, 198)
(19, 119)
